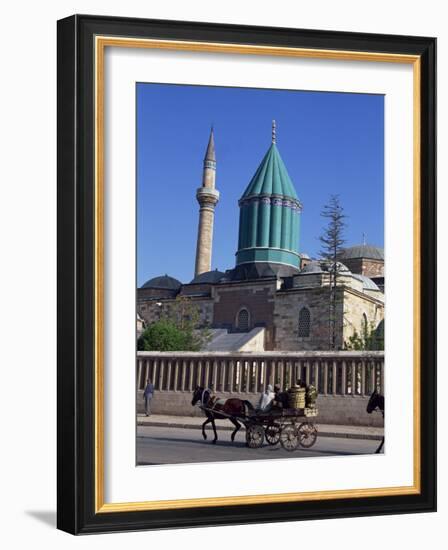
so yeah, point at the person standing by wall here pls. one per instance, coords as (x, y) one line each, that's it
(148, 394)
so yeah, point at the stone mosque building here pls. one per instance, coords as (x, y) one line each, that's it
(275, 297)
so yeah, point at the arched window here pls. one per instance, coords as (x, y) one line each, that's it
(243, 320)
(304, 322)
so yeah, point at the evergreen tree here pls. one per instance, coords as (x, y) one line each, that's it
(332, 241)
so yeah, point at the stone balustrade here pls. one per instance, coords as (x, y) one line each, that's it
(340, 373)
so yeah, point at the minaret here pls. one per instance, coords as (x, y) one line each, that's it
(207, 197)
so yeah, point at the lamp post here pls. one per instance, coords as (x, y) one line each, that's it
(160, 306)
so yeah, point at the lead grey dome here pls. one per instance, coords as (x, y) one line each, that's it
(363, 251)
(208, 277)
(163, 282)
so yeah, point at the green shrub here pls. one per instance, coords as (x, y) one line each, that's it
(369, 339)
(163, 335)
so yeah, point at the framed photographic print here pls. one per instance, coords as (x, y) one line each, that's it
(240, 209)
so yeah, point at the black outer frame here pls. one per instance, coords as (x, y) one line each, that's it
(75, 385)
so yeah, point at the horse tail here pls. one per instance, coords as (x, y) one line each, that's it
(248, 404)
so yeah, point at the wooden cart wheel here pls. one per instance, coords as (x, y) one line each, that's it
(272, 433)
(289, 437)
(307, 434)
(254, 436)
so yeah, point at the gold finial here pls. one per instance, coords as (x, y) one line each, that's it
(274, 132)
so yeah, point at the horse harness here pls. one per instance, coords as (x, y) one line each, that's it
(212, 401)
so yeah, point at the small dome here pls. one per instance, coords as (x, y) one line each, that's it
(327, 265)
(312, 267)
(367, 283)
(340, 267)
(363, 251)
(164, 282)
(208, 277)
(319, 266)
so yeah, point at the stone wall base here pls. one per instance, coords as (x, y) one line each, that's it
(339, 409)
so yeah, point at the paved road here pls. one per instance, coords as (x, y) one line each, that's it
(162, 445)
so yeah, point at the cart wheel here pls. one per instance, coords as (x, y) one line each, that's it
(289, 438)
(254, 436)
(272, 433)
(307, 434)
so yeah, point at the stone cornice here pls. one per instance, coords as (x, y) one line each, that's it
(273, 200)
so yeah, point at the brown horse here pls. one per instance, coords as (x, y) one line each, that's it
(376, 402)
(231, 408)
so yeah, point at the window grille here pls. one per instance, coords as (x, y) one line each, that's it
(304, 322)
(243, 320)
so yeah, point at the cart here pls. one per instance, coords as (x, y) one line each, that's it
(291, 427)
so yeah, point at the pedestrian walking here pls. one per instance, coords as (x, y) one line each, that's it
(148, 394)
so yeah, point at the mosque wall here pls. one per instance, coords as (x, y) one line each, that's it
(351, 308)
(356, 309)
(277, 311)
(286, 319)
(258, 299)
(151, 312)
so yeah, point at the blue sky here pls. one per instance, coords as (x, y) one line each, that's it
(331, 143)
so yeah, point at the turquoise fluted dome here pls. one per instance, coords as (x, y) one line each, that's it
(271, 178)
(269, 216)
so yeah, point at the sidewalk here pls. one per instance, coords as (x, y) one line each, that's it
(324, 430)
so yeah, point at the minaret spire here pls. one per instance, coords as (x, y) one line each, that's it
(210, 153)
(274, 132)
(207, 197)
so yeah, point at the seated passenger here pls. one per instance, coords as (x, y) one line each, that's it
(265, 399)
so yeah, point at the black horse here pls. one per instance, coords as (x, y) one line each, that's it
(231, 408)
(376, 401)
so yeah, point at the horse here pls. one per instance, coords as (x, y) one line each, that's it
(230, 407)
(376, 401)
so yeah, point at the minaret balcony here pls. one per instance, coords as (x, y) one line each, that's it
(207, 196)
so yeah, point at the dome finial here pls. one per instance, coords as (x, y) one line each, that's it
(364, 242)
(274, 132)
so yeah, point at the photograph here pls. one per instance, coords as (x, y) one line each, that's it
(260, 291)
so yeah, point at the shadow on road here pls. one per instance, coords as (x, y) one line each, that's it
(242, 445)
(208, 441)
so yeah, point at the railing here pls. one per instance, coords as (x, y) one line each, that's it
(352, 373)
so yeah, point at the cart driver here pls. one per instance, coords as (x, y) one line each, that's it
(281, 397)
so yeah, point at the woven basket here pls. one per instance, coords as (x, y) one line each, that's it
(296, 398)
